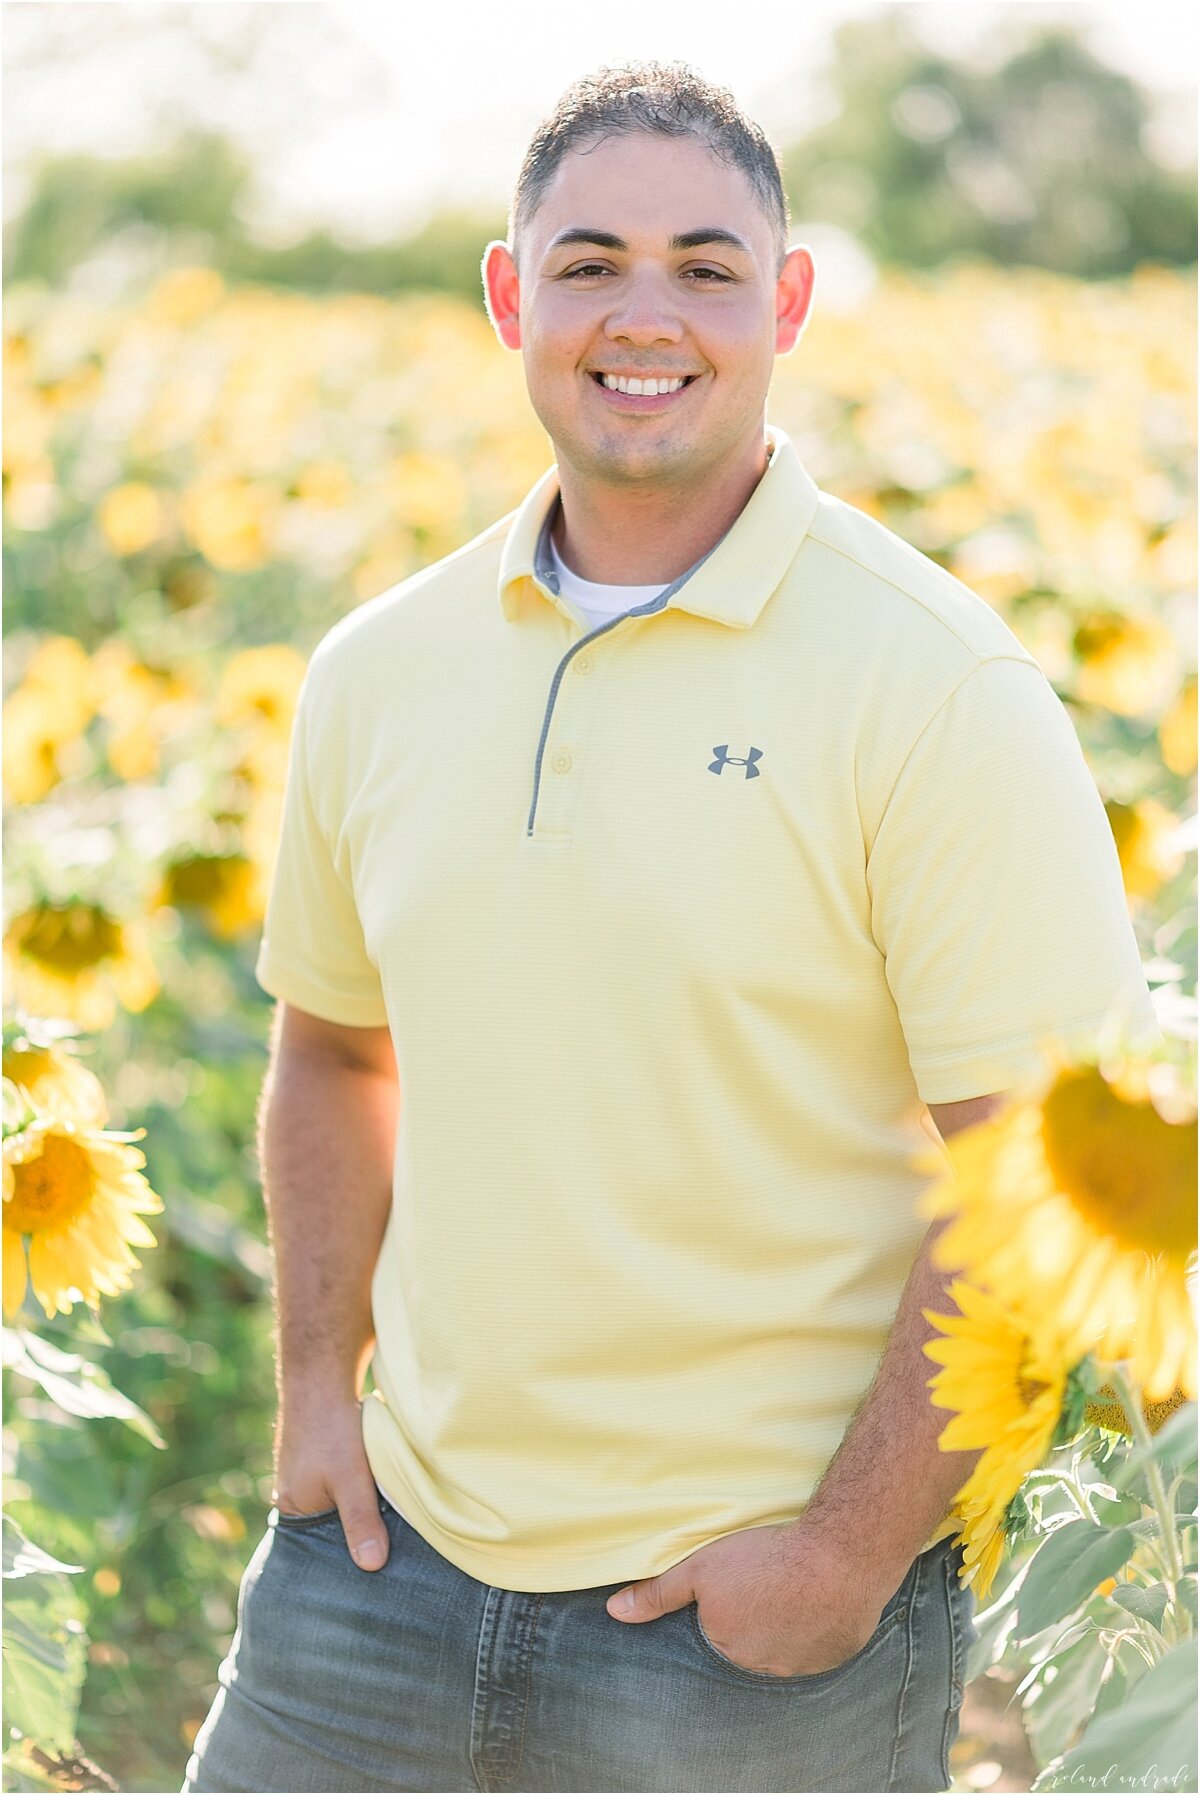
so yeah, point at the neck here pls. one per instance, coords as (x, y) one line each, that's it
(615, 536)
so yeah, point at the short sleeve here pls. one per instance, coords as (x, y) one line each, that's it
(312, 953)
(996, 892)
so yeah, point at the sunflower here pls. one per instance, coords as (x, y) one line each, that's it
(260, 686)
(230, 521)
(1007, 1381)
(131, 517)
(142, 705)
(59, 672)
(74, 1192)
(1081, 1201)
(1177, 731)
(54, 1083)
(76, 960)
(1127, 663)
(226, 888)
(44, 719)
(1147, 836)
(32, 740)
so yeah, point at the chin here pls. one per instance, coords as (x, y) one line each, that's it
(617, 461)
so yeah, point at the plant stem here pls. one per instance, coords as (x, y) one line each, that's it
(1130, 1398)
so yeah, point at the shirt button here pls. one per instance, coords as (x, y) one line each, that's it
(583, 665)
(562, 761)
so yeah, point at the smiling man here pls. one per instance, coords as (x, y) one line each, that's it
(655, 873)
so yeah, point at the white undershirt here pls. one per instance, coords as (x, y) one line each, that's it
(600, 604)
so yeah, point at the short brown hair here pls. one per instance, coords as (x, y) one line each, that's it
(664, 100)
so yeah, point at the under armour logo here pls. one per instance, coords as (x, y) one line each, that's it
(726, 759)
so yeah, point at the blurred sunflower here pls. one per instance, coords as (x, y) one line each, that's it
(182, 295)
(229, 521)
(131, 517)
(1177, 731)
(1007, 1380)
(260, 686)
(1146, 835)
(32, 741)
(76, 960)
(1081, 1201)
(261, 825)
(60, 672)
(54, 1083)
(44, 714)
(142, 705)
(1128, 664)
(226, 888)
(75, 1194)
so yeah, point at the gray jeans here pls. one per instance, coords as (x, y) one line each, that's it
(418, 1677)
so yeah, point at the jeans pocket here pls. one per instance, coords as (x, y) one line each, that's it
(891, 1618)
(314, 1520)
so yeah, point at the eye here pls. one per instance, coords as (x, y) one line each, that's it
(586, 268)
(712, 273)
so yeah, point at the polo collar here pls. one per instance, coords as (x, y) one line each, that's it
(730, 584)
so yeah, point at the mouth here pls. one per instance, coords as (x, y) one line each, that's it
(634, 402)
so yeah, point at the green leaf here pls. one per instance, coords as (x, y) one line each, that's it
(1147, 1604)
(1187, 1592)
(23, 1559)
(1065, 1570)
(1112, 1511)
(1152, 1735)
(992, 1627)
(1067, 1697)
(77, 1385)
(43, 1648)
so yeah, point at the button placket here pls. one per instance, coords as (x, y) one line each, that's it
(566, 716)
(563, 763)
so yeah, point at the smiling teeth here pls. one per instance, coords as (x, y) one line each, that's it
(617, 383)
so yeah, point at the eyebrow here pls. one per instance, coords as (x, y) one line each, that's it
(713, 233)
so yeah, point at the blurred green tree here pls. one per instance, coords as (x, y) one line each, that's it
(189, 200)
(1046, 159)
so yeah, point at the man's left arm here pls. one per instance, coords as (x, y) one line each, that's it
(801, 1598)
(889, 1464)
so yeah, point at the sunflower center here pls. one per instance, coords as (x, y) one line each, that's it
(51, 1190)
(1106, 1411)
(1126, 1171)
(198, 880)
(72, 938)
(1030, 1388)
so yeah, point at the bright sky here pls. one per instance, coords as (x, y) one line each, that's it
(364, 115)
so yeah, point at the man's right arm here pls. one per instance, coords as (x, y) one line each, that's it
(326, 1140)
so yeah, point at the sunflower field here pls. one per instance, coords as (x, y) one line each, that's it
(196, 486)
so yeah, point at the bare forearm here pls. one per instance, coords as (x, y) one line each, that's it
(326, 1141)
(889, 1475)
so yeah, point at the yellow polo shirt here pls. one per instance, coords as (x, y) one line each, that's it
(676, 923)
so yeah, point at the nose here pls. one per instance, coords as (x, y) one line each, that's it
(645, 312)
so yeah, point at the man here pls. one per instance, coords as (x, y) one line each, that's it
(652, 870)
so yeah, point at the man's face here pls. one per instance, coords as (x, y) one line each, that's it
(648, 258)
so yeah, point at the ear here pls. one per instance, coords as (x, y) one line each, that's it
(502, 293)
(793, 298)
